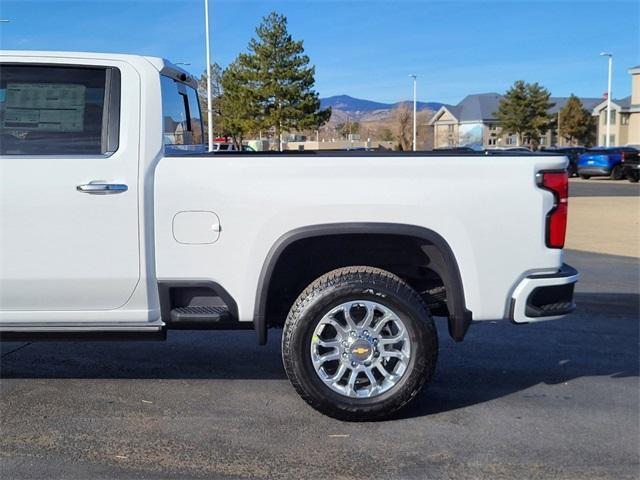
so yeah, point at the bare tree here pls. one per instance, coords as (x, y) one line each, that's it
(403, 123)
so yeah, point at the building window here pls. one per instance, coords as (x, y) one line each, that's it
(492, 141)
(624, 119)
(604, 117)
(450, 129)
(493, 127)
(511, 140)
(612, 139)
(543, 140)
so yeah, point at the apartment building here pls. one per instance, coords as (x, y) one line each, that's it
(472, 122)
(624, 127)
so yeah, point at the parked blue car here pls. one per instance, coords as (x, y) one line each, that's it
(604, 162)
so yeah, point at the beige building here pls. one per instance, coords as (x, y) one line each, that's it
(624, 126)
(472, 123)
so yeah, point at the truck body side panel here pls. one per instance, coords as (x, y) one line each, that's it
(488, 209)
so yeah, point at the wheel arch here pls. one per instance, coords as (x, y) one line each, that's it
(443, 261)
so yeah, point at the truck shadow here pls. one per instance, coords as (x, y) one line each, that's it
(499, 359)
(495, 360)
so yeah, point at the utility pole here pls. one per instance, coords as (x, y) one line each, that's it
(607, 140)
(415, 109)
(209, 108)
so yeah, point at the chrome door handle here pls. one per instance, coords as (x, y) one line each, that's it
(99, 188)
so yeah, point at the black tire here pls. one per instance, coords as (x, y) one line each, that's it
(572, 170)
(585, 177)
(617, 173)
(340, 286)
(633, 177)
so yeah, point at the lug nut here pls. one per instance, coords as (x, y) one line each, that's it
(375, 341)
(352, 333)
(366, 333)
(376, 354)
(354, 364)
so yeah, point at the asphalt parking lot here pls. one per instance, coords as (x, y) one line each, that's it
(603, 187)
(549, 400)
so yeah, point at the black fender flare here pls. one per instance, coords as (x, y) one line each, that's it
(443, 261)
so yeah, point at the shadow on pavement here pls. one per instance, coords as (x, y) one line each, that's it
(495, 360)
(499, 359)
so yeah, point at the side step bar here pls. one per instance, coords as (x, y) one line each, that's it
(197, 317)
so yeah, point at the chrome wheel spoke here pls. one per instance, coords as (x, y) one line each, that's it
(370, 315)
(371, 377)
(339, 373)
(328, 357)
(394, 354)
(328, 343)
(392, 340)
(351, 383)
(347, 318)
(381, 324)
(342, 332)
(360, 349)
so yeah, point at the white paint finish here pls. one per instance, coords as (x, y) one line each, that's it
(488, 209)
(63, 250)
(196, 227)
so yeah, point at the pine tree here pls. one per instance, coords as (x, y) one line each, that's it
(524, 111)
(276, 78)
(575, 123)
(238, 106)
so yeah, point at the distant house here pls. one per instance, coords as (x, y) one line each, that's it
(472, 122)
(625, 115)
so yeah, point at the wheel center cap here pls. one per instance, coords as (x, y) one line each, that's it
(360, 350)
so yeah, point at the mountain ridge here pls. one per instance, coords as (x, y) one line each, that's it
(347, 103)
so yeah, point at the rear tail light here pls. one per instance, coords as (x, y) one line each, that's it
(622, 156)
(558, 184)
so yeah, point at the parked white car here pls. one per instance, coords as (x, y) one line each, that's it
(115, 223)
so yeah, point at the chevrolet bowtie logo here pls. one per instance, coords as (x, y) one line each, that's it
(360, 350)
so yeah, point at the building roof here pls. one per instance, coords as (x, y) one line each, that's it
(480, 107)
(587, 102)
(623, 103)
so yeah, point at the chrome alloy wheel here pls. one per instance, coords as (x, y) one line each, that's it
(360, 349)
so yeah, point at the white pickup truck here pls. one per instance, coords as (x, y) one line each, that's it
(114, 222)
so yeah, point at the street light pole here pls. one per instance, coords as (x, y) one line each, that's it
(415, 108)
(607, 140)
(209, 109)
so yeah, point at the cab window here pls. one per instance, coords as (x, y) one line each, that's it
(58, 110)
(182, 122)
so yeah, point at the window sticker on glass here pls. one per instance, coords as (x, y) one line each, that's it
(46, 107)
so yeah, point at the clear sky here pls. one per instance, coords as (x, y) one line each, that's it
(362, 48)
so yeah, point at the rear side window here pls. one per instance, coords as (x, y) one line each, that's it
(58, 110)
(181, 115)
